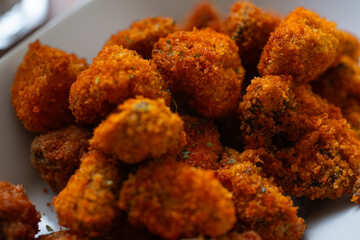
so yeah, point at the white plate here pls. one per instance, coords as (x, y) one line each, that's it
(83, 30)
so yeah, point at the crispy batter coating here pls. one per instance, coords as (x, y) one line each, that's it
(143, 34)
(173, 200)
(40, 90)
(62, 235)
(341, 86)
(260, 205)
(56, 154)
(303, 46)
(204, 15)
(18, 216)
(307, 141)
(141, 129)
(115, 75)
(203, 145)
(87, 205)
(351, 46)
(204, 67)
(250, 28)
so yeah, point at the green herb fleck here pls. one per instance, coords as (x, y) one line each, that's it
(236, 70)
(194, 125)
(222, 63)
(263, 189)
(198, 132)
(181, 53)
(49, 228)
(168, 41)
(109, 182)
(231, 161)
(173, 22)
(131, 76)
(167, 90)
(128, 39)
(142, 106)
(135, 54)
(170, 48)
(209, 144)
(185, 154)
(97, 80)
(175, 105)
(197, 55)
(132, 67)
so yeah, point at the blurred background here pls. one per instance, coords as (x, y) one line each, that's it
(19, 18)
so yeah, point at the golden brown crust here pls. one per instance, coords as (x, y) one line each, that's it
(203, 65)
(87, 205)
(115, 75)
(40, 90)
(260, 205)
(18, 216)
(56, 154)
(250, 28)
(303, 46)
(204, 15)
(143, 34)
(203, 145)
(351, 46)
(141, 129)
(307, 141)
(172, 200)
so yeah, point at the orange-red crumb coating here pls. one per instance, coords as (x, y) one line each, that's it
(340, 86)
(260, 205)
(143, 34)
(115, 75)
(308, 143)
(140, 129)
(250, 28)
(351, 46)
(18, 216)
(56, 154)
(203, 66)
(40, 90)
(62, 235)
(204, 15)
(203, 145)
(174, 200)
(87, 205)
(303, 46)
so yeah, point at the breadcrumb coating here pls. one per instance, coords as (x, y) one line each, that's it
(304, 45)
(141, 129)
(174, 200)
(40, 91)
(18, 216)
(351, 46)
(203, 66)
(143, 34)
(56, 154)
(203, 145)
(204, 15)
(115, 75)
(250, 28)
(307, 141)
(87, 205)
(260, 204)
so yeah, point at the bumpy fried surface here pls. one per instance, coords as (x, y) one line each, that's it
(204, 15)
(173, 200)
(250, 28)
(351, 46)
(56, 154)
(311, 147)
(40, 90)
(341, 86)
(62, 235)
(303, 46)
(143, 34)
(142, 128)
(18, 216)
(88, 202)
(260, 205)
(115, 75)
(203, 145)
(204, 66)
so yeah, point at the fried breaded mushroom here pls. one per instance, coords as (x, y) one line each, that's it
(250, 28)
(202, 65)
(204, 15)
(62, 235)
(115, 75)
(173, 200)
(260, 204)
(304, 45)
(340, 86)
(308, 142)
(143, 34)
(87, 205)
(40, 90)
(203, 145)
(141, 129)
(351, 46)
(56, 154)
(18, 216)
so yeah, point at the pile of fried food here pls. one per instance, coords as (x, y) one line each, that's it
(201, 131)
